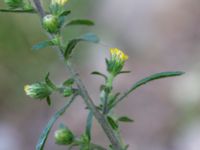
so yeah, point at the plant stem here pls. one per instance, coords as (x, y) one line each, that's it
(84, 94)
(100, 118)
(39, 8)
(106, 92)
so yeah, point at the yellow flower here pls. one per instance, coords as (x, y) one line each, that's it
(118, 54)
(116, 62)
(26, 89)
(59, 2)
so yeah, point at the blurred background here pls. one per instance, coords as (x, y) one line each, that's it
(158, 35)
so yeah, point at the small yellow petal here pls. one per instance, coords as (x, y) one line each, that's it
(26, 88)
(118, 54)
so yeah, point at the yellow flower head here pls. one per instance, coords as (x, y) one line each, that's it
(59, 2)
(118, 54)
(38, 90)
(27, 89)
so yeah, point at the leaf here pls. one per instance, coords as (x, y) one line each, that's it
(80, 22)
(89, 37)
(18, 11)
(148, 79)
(65, 13)
(125, 119)
(155, 77)
(43, 137)
(125, 72)
(100, 74)
(89, 124)
(112, 123)
(48, 101)
(69, 82)
(49, 82)
(43, 44)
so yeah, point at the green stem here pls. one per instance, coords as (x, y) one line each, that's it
(100, 118)
(84, 94)
(105, 93)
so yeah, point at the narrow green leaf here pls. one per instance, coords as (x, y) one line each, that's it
(65, 13)
(43, 44)
(148, 79)
(125, 119)
(49, 82)
(68, 82)
(80, 22)
(18, 11)
(89, 37)
(112, 123)
(89, 124)
(100, 74)
(125, 72)
(48, 101)
(43, 137)
(155, 77)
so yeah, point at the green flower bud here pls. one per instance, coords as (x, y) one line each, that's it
(38, 90)
(51, 23)
(63, 136)
(14, 3)
(67, 92)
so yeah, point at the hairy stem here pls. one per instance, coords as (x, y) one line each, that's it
(84, 94)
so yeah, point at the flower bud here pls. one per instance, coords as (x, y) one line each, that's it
(67, 92)
(63, 136)
(59, 2)
(51, 23)
(38, 90)
(14, 3)
(116, 62)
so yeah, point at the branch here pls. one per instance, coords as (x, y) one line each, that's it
(39, 8)
(84, 94)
